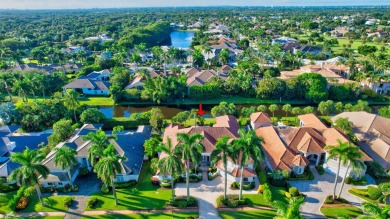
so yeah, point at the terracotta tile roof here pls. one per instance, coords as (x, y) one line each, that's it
(247, 172)
(278, 155)
(201, 78)
(226, 68)
(296, 138)
(309, 144)
(260, 117)
(311, 120)
(192, 71)
(225, 126)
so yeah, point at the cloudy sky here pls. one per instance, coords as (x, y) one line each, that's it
(67, 4)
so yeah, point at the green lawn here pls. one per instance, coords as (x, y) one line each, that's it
(258, 200)
(97, 101)
(53, 203)
(264, 214)
(346, 212)
(146, 196)
(45, 217)
(145, 216)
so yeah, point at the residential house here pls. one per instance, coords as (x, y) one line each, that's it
(283, 40)
(101, 38)
(13, 141)
(128, 144)
(225, 126)
(74, 49)
(137, 81)
(225, 70)
(339, 32)
(307, 49)
(95, 83)
(293, 148)
(232, 47)
(335, 74)
(373, 134)
(260, 119)
(201, 77)
(379, 87)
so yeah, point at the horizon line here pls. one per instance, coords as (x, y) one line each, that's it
(203, 6)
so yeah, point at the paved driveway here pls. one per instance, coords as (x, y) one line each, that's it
(207, 192)
(322, 186)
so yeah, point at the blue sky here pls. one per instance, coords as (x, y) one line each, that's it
(67, 4)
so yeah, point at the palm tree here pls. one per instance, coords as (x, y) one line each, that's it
(30, 170)
(290, 211)
(223, 150)
(190, 148)
(108, 166)
(71, 102)
(65, 158)
(170, 164)
(375, 211)
(353, 159)
(223, 56)
(287, 108)
(273, 108)
(99, 141)
(136, 58)
(208, 50)
(340, 152)
(344, 125)
(247, 146)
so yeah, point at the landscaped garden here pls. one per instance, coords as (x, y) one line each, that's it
(143, 196)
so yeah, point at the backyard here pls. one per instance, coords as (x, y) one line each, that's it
(143, 196)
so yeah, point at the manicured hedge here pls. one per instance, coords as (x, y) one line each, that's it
(126, 122)
(123, 185)
(181, 202)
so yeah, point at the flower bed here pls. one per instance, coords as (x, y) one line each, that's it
(231, 201)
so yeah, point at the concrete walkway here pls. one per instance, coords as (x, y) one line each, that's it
(207, 192)
(318, 189)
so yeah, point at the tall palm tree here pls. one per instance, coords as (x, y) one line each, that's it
(136, 58)
(247, 146)
(71, 101)
(290, 211)
(170, 164)
(108, 167)
(223, 150)
(352, 159)
(30, 170)
(99, 141)
(65, 158)
(287, 108)
(190, 148)
(340, 152)
(375, 211)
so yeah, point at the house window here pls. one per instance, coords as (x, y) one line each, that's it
(49, 184)
(245, 179)
(60, 183)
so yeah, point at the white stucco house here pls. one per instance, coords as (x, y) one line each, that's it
(128, 144)
(95, 83)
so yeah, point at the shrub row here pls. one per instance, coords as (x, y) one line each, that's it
(65, 189)
(123, 185)
(126, 122)
(245, 186)
(374, 193)
(320, 169)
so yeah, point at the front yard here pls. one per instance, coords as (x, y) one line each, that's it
(266, 214)
(342, 211)
(143, 196)
(53, 203)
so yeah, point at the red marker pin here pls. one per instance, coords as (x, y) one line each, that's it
(200, 111)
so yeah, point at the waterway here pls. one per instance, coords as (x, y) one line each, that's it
(181, 39)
